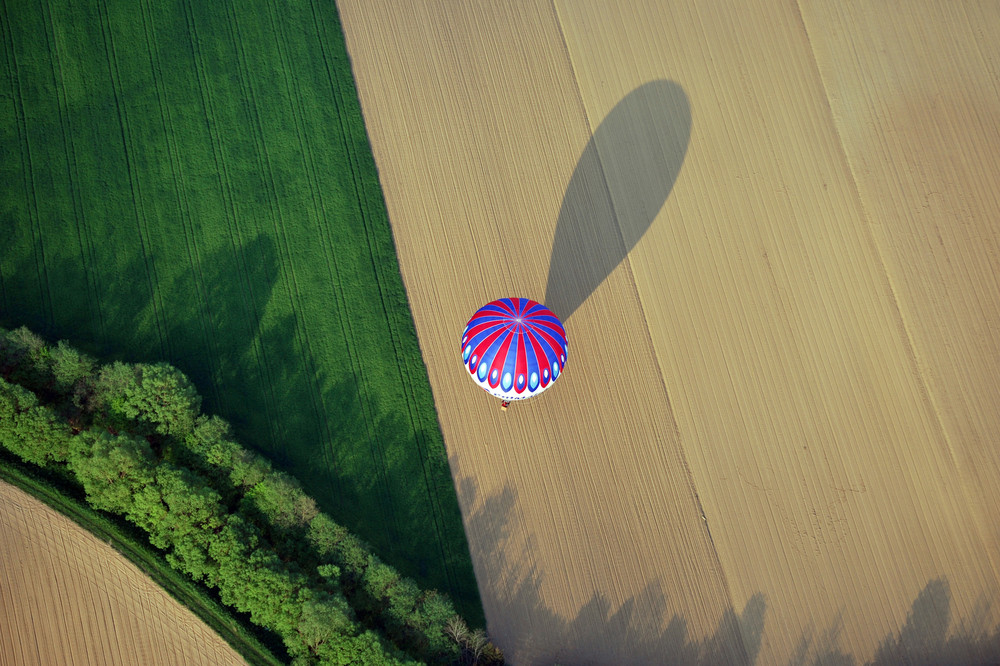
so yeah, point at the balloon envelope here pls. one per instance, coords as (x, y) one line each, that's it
(514, 348)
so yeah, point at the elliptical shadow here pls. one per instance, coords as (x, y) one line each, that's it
(620, 183)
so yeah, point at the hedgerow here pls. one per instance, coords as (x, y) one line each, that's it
(133, 437)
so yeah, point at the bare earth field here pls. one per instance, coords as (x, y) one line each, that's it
(68, 598)
(772, 235)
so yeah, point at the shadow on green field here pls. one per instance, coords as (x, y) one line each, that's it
(621, 181)
(372, 469)
(360, 462)
(56, 303)
(400, 492)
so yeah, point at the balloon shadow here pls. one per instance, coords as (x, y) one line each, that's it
(619, 185)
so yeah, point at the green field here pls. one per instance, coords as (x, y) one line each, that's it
(192, 182)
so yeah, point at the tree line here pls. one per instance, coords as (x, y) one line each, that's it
(134, 438)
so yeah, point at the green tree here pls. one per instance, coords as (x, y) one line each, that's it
(118, 473)
(280, 500)
(379, 578)
(33, 432)
(432, 616)
(323, 617)
(249, 469)
(324, 535)
(365, 648)
(148, 398)
(266, 588)
(192, 516)
(24, 358)
(400, 610)
(230, 547)
(69, 366)
(209, 449)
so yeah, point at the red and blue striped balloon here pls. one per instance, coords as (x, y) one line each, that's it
(514, 348)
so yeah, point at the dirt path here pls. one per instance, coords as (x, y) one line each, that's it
(68, 598)
(772, 441)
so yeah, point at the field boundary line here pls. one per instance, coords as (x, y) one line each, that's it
(682, 452)
(361, 192)
(912, 353)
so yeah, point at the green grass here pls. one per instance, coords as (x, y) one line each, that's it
(243, 636)
(191, 182)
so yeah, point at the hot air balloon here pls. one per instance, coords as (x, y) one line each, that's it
(514, 348)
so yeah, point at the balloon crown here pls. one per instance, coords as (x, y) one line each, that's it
(514, 348)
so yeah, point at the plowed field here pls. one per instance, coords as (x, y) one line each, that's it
(67, 597)
(772, 235)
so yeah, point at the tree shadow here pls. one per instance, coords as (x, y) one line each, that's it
(530, 632)
(622, 179)
(101, 328)
(927, 638)
(371, 468)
